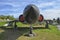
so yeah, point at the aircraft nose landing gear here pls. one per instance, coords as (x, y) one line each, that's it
(31, 34)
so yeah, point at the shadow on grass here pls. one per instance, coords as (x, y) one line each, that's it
(11, 34)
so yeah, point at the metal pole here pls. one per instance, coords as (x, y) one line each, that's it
(15, 26)
(46, 26)
(31, 28)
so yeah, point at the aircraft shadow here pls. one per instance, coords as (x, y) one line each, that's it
(12, 34)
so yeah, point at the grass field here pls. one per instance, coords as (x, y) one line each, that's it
(41, 33)
(2, 23)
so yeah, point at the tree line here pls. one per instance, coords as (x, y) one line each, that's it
(7, 17)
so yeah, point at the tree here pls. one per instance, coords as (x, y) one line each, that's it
(10, 17)
(53, 19)
(58, 20)
(6, 17)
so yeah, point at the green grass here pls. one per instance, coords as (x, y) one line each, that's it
(44, 34)
(41, 34)
(19, 24)
(2, 23)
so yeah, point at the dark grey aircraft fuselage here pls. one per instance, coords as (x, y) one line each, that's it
(31, 13)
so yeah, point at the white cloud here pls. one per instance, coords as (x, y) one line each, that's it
(45, 4)
(51, 13)
(16, 15)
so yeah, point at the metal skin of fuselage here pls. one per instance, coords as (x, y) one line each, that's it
(31, 13)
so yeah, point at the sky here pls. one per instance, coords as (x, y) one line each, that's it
(48, 8)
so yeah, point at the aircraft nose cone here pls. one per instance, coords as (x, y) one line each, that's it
(31, 13)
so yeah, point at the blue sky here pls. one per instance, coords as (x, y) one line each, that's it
(48, 8)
